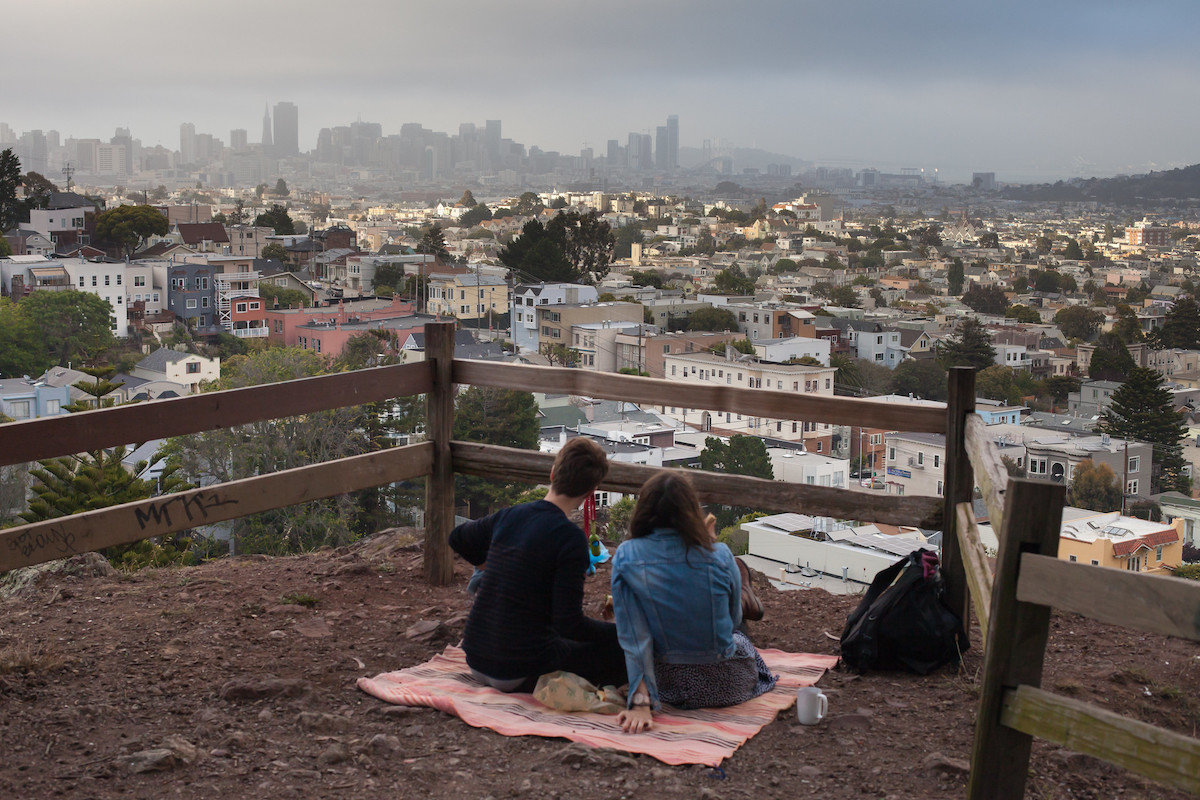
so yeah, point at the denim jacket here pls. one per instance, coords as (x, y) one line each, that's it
(676, 604)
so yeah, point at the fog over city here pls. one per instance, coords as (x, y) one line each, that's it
(1029, 90)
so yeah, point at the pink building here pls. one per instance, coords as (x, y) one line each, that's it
(285, 323)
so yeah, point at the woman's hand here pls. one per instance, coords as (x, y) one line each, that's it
(711, 523)
(636, 719)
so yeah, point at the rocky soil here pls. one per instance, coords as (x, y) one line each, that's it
(237, 679)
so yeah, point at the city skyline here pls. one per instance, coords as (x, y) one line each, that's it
(1027, 91)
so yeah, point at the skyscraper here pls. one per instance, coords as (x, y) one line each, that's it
(268, 144)
(662, 156)
(672, 142)
(187, 143)
(287, 130)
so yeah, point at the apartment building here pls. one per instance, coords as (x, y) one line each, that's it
(106, 280)
(556, 322)
(469, 296)
(707, 369)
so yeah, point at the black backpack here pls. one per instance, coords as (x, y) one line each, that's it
(903, 622)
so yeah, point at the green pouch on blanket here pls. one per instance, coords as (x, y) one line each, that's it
(566, 691)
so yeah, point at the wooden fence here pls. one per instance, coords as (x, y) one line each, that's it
(1013, 608)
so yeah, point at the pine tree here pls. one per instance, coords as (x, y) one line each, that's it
(1110, 360)
(1181, 327)
(970, 346)
(1142, 410)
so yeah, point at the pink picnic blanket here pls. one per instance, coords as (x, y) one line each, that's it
(703, 736)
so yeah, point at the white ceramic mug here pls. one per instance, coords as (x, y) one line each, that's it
(811, 705)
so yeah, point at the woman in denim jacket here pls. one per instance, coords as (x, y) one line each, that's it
(677, 600)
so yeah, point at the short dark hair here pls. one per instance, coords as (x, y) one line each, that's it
(579, 467)
(668, 500)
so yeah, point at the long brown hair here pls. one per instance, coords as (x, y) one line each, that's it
(668, 501)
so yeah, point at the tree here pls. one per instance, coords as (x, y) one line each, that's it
(712, 319)
(844, 296)
(970, 346)
(1142, 409)
(281, 188)
(131, 226)
(274, 251)
(259, 448)
(1095, 487)
(1078, 322)
(924, 378)
(742, 455)
(986, 300)
(1073, 251)
(996, 383)
(68, 326)
(1181, 327)
(433, 242)
(732, 280)
(22, 352)
(468, 199)
(956, 276)
(1024, 314)
(1058, 387)
(989, 240)
(38, 189)
(478, 213)
(12, 210)
(560, 353)
(278, 219)
(286, 298)
(1110, 360)
(493, 416)
(1127, 326)
(648, 277)
(784, 265)
(528, 204)
(586, 240)
(626, 236)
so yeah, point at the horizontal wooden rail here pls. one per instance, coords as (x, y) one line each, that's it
(65, 434)
(1151, 603)
(1159, 754)
(105, 527)
(655, 391)
(991, 476)
(979, 574)
(491, 461)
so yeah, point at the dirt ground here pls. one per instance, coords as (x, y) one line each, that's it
(237, 678)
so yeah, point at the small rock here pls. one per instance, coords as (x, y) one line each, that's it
(314, 628)
(181, 747)
(266, 715)
(157, 760)
(262, 688)
(425, 630)
(383, 743)
(936, 762)
(316, 721)
(336, 753)
(219, 752)
(276, 635)
(849, 722)
(237, 740)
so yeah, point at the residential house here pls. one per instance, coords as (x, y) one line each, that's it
(1178, 507)
(22, 399)
(105, 280)
(187, 369)
(1055, 457)
(467, 296)
(555, 322)
(204, 237)
(288, 326)
(526, 298)
(792, 348)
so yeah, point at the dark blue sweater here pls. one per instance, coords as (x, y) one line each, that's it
(530, 598)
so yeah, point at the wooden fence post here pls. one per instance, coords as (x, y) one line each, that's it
(959, 488)
(1016, 642)
(439, 426)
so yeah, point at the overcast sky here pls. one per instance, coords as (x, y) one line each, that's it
(1022, 88)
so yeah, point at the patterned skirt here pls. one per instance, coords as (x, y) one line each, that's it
(741, 677)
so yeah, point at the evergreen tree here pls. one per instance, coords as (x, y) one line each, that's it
(433, 242)
(1110, 360)
(743, 455)
(970, 346)
(924, 378)
(1142, 410)
(1180, 328)
(955, 276)
(491, 415)
(1127, 325)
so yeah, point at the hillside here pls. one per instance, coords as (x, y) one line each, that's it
(1176, 186)
(251, 693)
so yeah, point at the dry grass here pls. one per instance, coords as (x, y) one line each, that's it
(30, 659)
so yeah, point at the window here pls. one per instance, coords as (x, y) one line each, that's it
(204, 302)
(18, 409)
(155, 297)
(891, 454)
(93, 280)
(201, 283)
(1131, 487)
(1073, 558)
(193, 367)
(937, 460)
(1037, 466)
(1158, 553)
(1134, 462)
(827, 381)
(920, 457)
(255, 306)
(939, 489)
(876, 438)
(139, 280)
(191, 303)
(106, 280)
(1095, 563)
(672, 369)
(241, 308)
(81, 280)
(793, 427)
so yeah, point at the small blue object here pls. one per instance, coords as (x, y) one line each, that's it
(718, 773)
(597, 559)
